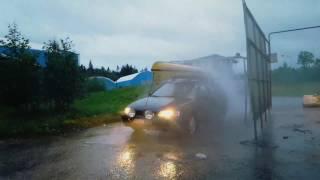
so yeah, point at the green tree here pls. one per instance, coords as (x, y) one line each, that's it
(127, 70)
(317, 63)
(305, 59)
(94, 85)
(83, 70)
(284, 74)
(90, 69)
(17, 45)
(19, 71)
(62, 76)
(316, 69)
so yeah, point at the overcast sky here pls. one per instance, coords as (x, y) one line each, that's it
(139, 32)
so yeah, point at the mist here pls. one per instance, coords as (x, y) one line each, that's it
(230, 80)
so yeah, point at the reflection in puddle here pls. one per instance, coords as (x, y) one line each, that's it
(168, 170)
(125, 160)
(128, 164)
(171, 156)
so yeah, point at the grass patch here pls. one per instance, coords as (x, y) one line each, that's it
(107, 101)
(295, 89)
(14, 124)
(95, 109)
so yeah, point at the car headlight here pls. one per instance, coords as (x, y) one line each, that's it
(169, 114)
(148, 114)
(130, 112)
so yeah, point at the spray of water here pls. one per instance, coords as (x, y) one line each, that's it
(231, 84)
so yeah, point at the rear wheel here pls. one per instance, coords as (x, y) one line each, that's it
(192, 126)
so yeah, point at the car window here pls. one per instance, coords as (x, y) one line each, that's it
(203, 91)
(175, 89)
(164, 90)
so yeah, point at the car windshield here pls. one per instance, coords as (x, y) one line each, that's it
(175, 89)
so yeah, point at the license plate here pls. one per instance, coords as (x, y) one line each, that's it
(139, 121)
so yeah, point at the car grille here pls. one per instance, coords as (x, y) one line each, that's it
(139, 114)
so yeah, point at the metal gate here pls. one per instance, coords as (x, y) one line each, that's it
(259, 69)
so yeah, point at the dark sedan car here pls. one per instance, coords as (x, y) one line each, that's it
(180, 104)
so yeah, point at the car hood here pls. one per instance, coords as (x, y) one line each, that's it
(152, 103)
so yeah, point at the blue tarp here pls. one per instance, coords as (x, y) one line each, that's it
(108, 83)
(135, 79)
(39, 54)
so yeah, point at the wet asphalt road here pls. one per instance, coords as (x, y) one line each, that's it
(289, 149)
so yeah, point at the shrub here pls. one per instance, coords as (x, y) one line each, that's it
(94, 85)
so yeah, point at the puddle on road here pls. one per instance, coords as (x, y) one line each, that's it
(168, 170)
(115, 136)
(125, 160)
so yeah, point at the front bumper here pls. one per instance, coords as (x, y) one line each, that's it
(154, 123)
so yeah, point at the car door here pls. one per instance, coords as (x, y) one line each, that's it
(203, 100)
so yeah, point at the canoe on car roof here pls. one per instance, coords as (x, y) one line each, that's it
(163, 71)
(165, 66)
